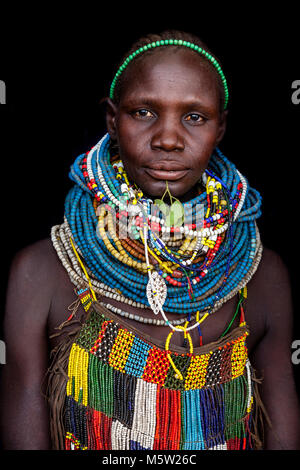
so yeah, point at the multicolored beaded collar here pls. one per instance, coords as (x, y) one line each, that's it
(184, 268)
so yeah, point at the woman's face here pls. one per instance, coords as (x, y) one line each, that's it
(168, 121)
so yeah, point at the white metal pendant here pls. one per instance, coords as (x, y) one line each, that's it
(156, 291)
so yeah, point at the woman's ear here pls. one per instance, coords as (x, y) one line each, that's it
(222, 127)
(111, 111)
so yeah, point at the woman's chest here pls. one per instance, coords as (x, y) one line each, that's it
(67, 305)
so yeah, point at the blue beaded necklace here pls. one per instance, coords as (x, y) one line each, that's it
(232, 262)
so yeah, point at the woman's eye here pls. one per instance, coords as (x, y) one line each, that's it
(194, 117)
(143, 113)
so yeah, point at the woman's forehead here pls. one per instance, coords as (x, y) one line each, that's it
(170, 75)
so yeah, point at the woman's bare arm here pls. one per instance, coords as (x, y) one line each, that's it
(24, 412)
(272, 356)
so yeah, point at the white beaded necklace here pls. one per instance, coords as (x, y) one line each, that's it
(60, 236)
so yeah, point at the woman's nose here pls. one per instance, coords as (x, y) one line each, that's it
(167, 136)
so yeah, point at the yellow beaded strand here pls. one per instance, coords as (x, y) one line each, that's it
(71, 370)
(84, 270)
(178, 374)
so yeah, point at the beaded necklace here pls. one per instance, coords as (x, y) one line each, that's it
(201, 399)
(214, 261)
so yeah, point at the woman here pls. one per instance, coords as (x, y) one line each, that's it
(155, 351)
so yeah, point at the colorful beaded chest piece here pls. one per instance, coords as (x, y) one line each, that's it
(122, 392)
(117, 389)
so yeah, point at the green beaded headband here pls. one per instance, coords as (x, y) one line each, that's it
(171, 42)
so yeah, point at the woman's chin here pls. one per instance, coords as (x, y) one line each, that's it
(176, 188)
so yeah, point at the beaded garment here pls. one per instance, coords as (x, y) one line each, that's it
(111, 387)
(122, 393)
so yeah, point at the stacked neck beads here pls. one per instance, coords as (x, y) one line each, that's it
(214, 259)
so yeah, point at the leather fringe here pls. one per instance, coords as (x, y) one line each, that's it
(57, 378)
(260, 415)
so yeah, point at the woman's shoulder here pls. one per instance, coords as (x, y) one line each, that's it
(271, 270)
(34, 251)
(269, 292)
(36, 267)
(36, 258)
(39, 284)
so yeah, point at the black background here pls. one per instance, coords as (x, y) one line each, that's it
(57, 69)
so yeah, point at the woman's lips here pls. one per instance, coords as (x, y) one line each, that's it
(171, 175)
